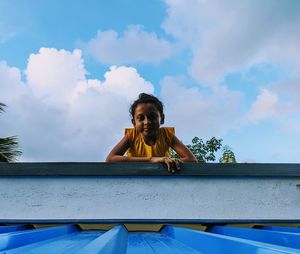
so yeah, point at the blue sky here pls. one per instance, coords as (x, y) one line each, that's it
(230, 69)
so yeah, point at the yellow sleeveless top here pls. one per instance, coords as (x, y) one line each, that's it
(139, 148)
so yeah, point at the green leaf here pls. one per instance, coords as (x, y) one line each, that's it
(8, 146)
(9, 149)
(2, 106)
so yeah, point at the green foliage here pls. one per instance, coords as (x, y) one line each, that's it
(2, 106)
(8, 146)
(228, 156)
(9, 149)
(203, 151)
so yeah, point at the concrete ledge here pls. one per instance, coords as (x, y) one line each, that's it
(144, 169)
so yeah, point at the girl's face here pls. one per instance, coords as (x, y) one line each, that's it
(147, 119)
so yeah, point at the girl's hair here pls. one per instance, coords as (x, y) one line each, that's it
(148, 98)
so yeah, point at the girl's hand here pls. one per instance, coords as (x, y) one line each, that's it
(173, 164)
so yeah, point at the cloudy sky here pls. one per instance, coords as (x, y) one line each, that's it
(230, 69)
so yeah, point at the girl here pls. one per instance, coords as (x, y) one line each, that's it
(147, 141)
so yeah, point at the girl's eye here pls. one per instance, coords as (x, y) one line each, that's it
(153, 116)
(140, 118)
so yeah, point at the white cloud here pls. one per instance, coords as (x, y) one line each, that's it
(53, 73)
(10, 82)
(279, 102)
(135, 45)
(195, 113)
(59, 115)
(126, 81)
(290, 89)
(232, 36)
(289, 104)
(265, 106)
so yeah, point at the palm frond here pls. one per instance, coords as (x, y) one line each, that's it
(9, 149)
(2, 106)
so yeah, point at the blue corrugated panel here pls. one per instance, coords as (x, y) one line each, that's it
(215, 243)
(6, 229)
(286, 239)
(175, 240)
(282, 229)
(113, 241)
(152, 243)
(13, 240)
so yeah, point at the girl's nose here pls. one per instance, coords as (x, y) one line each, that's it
(147, 120)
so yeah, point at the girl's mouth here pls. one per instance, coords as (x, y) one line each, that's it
(148, 129)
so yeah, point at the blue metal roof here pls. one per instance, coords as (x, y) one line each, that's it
(171, 239)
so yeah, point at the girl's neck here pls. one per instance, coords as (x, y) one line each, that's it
(150, 140)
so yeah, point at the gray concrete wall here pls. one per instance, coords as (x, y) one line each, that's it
(149, 198)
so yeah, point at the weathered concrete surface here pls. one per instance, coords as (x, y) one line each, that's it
(149, 198)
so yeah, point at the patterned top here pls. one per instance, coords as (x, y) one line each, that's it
(139, 148)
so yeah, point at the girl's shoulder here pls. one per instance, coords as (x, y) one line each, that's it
(167, 133)
(170, 130)
(130, 133)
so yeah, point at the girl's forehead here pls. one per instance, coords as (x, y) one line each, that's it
(145, 107)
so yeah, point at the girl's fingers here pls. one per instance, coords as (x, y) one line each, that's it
(173, 165)
(172, 168)
(177, 162)
(180, 161)
(166, 161)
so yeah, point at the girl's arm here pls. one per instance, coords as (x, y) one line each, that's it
(173, 165)
(117, 153)
(184, 153)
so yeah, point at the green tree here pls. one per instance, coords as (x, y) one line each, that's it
(8, 146)
(227, 156)
(203, 151)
